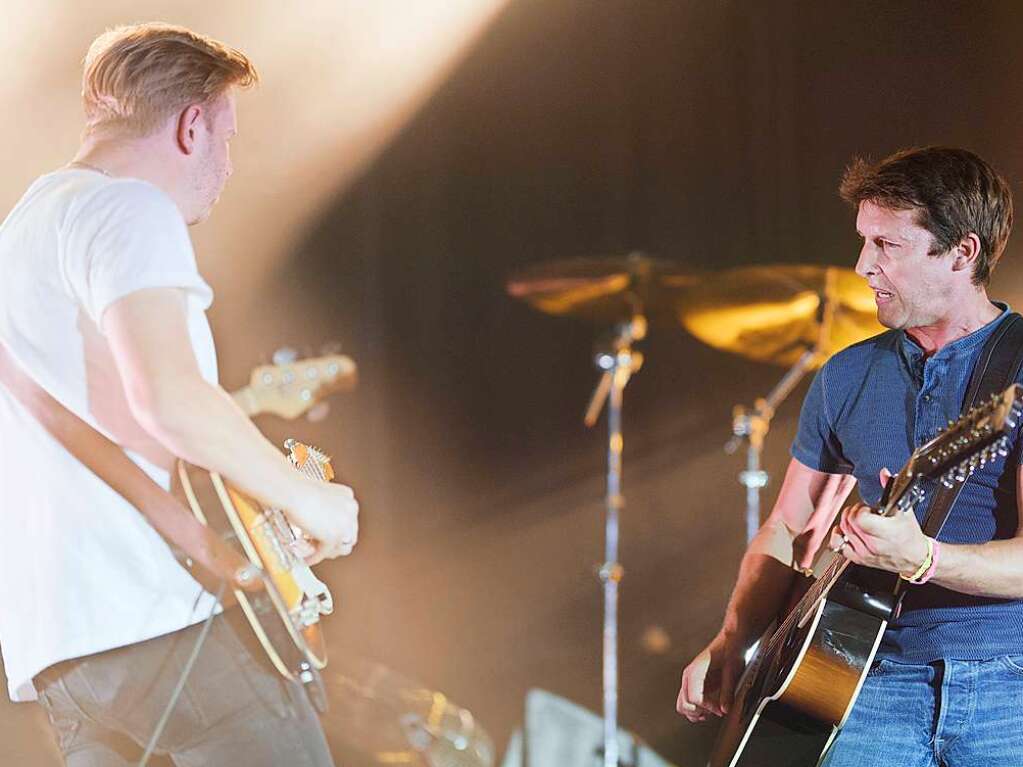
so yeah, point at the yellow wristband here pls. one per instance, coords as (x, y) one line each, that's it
(926, 563)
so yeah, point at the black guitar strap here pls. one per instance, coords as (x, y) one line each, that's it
(998, 366)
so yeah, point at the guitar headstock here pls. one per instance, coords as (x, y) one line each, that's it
(309, 460)
(968, 444)
(291, 389)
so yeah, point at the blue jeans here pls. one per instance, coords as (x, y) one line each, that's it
(951, 713)
(233, 710)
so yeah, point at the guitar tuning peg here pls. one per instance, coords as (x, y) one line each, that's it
(318, 412)
(285, 356)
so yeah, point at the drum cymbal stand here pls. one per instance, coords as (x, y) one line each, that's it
(618, 361)
(750, 426)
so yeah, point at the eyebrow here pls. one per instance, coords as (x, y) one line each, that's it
(888, 238)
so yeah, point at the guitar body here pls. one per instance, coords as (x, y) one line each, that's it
(790, 704)
(801, 687)
(285, 615)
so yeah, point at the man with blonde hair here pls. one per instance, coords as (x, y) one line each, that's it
(103, 306)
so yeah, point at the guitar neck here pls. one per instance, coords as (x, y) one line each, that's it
(246, 399)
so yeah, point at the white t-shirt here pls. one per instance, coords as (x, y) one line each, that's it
(81, 571)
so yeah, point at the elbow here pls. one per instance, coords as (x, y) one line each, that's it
(776, 540)
(164, 409)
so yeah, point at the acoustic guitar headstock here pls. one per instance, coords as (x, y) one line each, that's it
(967, 444)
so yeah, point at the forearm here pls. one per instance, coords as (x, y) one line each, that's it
(993, 569)
(807, 501)
(765, 579)
(200, 423)
(149, 339)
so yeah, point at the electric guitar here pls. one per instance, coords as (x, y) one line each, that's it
(290, 390)
(285, 615)
(798, 691)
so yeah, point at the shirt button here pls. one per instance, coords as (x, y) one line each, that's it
(927, 398)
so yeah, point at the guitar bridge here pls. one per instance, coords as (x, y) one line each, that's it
(316, 600)
(306, 614)
(267, 532)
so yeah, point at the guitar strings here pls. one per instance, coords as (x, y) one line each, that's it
(816, 592)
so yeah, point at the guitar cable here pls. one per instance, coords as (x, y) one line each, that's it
(207, 625)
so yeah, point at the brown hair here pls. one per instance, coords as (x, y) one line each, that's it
(954, 192)
(137, 76)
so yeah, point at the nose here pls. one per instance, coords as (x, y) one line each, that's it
(866, 264)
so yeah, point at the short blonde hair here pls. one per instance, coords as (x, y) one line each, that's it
(137, 76)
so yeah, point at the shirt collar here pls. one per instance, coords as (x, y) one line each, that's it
(914, 355)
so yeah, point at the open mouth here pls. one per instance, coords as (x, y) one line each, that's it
(882, 295)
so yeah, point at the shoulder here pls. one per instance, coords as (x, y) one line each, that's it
(859, 356)
(128, 197)
(847, 369)
(98, 207)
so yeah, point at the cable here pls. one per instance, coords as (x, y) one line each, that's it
(207, 624)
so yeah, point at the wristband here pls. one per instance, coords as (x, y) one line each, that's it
(934, 565)
(925, 566)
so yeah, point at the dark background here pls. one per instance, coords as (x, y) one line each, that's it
(710, 133)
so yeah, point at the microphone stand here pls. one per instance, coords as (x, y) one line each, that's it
(750, 425)
(618, 361)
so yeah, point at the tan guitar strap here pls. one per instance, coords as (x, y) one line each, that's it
(107, 461)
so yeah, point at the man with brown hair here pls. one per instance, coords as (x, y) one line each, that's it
(947, 687)
(103, 306)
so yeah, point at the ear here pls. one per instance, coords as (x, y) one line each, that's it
(965, 254)
(189, 122)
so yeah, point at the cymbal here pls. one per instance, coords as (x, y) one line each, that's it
(776, 313)
(604, 289)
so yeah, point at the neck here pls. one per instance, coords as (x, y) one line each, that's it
(970, 314)
(140, 158)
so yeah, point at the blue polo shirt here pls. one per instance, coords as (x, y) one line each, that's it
(869, 407)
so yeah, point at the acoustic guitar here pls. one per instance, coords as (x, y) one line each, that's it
(286, 614)
(799, 689)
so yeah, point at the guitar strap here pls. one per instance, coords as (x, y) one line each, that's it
(997, 367)
(108, 461)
